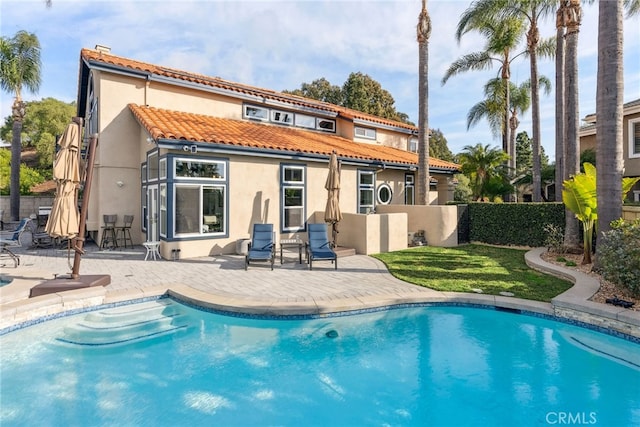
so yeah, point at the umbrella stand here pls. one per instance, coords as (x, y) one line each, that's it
(76, 281)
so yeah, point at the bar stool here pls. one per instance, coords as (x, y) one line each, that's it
(125, 230)
(109, 237)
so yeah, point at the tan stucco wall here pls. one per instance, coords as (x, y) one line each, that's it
(123, 146)
(440, 223)
(370, 234)
(630, 213)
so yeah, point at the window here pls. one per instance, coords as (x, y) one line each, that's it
(200, 197)
(256, 113)
(292, 198)
(163, 210)
(365, 132)
(366, 181)
(143, 201)
(200, 209)
(634, 138)
(326, 125)
(409, 189)
(163, 169)
(191, 168)
(304, 121)
(385, 194)
(413, 144)
(143, 173)
(152, 166)
(281, 117)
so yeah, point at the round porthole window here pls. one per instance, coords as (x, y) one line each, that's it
(384, 194)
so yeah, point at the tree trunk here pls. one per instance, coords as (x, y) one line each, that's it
(572, 154)
(423, 33)
(18, 112)
(560, 141)
(609, 100)
(533, 37)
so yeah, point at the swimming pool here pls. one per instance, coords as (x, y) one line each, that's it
(434, 365)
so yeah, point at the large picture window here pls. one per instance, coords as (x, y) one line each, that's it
(292, 198)
(199, 209)
(200, 205)
(366, 192)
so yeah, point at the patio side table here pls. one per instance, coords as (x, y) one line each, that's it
(291, 243)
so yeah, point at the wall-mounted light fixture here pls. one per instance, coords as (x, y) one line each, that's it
(150, 140)
(120, 184)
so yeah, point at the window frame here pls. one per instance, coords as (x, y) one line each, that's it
(633, 153)
(245, 115)
(202, 183)
(409, 183)
(288, 114)
(321, 120)
(368, 208)
(153, 166)
(298, 117)
(384, 186)
(286, 184)
(366, 133)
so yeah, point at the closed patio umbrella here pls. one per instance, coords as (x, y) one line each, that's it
(332, 212)
(64, 217)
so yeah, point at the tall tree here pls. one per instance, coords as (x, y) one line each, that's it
(321, 90)
(609, 113)
(438, 147)
(503, 36)
(533, 11)
(423, 31)
(44, 121)
(560, 134)
(491, 108)
(571, 16)
(19, 67)
(359, 92)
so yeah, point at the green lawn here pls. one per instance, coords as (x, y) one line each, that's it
(469, 267)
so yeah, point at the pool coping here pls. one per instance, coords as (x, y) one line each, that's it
(573, 304)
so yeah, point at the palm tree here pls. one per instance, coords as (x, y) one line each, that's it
(491, 108)
(609, 100)
(20, 67)
(482, 164)
(560, 48)
(533, 11)
(423, 31)
(503, 36)
(571, 16)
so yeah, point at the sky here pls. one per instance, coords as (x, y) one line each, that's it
(279, 45)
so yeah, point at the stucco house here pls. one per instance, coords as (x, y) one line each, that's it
(630, 136)
(199, 159)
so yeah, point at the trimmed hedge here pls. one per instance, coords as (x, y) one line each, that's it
(519, 224)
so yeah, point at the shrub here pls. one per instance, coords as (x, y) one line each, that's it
(619, 255)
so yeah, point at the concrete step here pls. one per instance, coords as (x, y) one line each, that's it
(126, 324)
(342, 251)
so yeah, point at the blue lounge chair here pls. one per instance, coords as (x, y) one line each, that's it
(319, 247)
(13, 241)
(262, 246)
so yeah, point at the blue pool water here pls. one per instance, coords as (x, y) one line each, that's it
(422, 366)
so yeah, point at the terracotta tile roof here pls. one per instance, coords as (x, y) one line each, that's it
(180, 126)
(90, 55)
